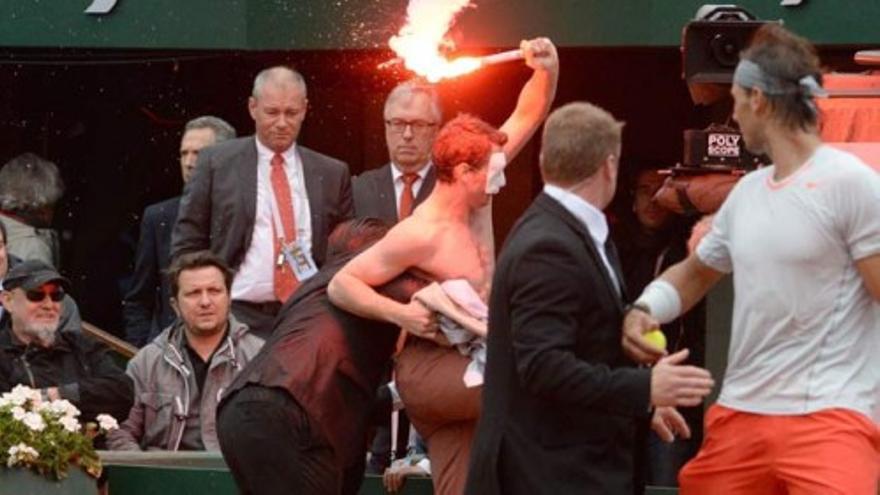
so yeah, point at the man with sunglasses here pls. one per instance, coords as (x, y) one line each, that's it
(62, 364)
(70, 319)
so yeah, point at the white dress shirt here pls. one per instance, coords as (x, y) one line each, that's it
(592, 218)
(254, 280)
(397, 179)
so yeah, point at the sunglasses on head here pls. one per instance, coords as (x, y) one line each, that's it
(56, 294)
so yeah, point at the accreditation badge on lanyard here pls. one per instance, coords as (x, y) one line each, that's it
(293, 252)
(298, 258)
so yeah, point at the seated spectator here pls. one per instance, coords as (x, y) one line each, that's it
(70, 319)
(30, 186)
(63, 365)
(178, 378)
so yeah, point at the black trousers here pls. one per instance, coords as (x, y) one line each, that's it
(271, 448)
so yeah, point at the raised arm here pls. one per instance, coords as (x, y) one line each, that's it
(536, 96)
(352, 288)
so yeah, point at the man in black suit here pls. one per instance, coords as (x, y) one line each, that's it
(560, 400)
(412, 118)
(264, 203)
(146, 307)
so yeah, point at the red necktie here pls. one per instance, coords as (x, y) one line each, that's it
(407, 199)
(285, 281)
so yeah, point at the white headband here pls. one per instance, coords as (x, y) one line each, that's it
(750, 75)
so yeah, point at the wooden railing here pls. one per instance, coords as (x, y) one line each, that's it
(116, 344)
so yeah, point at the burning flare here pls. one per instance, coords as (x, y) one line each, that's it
(418, 44)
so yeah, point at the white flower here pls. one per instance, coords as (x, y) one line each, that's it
(21, 452)
(107, 422)
(18, 413)
(21, 394)
(15, 397)
(69, 423)
(63, 407)
(34, 421)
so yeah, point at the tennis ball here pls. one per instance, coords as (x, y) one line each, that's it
(656, 338)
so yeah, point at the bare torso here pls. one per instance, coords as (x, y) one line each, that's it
(454, 249)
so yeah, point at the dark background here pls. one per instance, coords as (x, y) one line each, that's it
(111, 120)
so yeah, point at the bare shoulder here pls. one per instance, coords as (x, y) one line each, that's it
(415, 232)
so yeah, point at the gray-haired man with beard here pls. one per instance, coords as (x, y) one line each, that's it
(62, 364)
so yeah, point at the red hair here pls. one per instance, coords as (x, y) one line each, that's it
(464, 139)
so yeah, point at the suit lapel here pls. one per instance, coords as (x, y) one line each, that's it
(314, 179)
(384, 184)
(555, 208)
(614, 259)
(248, 190)
(427, 186)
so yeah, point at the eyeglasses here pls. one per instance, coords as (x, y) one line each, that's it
(38, 295)
(418, 126)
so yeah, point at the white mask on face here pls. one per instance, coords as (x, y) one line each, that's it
(495, 179)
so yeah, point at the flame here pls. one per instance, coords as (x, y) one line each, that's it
(419, 42)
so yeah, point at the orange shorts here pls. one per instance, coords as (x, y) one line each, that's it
(834, 451)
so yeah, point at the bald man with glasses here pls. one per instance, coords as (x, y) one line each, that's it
(61, 364)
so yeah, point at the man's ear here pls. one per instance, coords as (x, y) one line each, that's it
(460, 170)
(174, 306)
(758, 102)
(252, 107)
(4, 295)
(610, 167)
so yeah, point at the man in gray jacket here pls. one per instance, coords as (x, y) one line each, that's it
(180, 376)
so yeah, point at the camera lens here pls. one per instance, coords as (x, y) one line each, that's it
(725, 50)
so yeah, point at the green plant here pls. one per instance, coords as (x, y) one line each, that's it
(46, 436)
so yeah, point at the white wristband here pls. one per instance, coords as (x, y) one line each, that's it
(663, 300)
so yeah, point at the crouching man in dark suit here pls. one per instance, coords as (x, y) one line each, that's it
(560, 400)
(295, 419)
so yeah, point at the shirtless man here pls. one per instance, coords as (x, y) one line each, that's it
(448, 237)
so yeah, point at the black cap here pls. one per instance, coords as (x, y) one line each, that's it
(32, 274)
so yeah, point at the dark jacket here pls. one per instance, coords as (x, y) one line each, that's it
(70, 318)
(219, 203)
(374, 195)
(330, 362)
(79, 366)
(146, 307)
(560, 400)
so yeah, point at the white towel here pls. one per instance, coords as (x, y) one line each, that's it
(463, 318)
